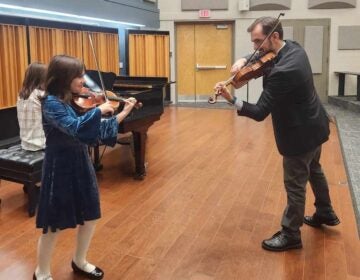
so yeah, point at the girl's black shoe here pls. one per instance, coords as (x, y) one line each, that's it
(96, 274)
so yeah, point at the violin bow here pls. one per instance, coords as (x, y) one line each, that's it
(97, 66)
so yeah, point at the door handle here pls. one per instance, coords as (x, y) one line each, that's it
(209, 67)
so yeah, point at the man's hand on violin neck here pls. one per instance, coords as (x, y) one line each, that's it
(219, 86)
(222, 90)
(240, 63)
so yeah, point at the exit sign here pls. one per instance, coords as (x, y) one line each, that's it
(204, 13)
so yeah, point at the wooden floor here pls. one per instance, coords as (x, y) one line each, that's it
(213, 192)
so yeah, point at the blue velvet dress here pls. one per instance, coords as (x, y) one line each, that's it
(69, 192)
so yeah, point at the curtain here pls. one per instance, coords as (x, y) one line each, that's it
(149, 55)
(106, 47)
(47, 42)
(13, 62)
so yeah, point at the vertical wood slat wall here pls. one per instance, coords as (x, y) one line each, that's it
(149, 55)
(13, 62)
(44, 43)
(47, 42)
(106, 47)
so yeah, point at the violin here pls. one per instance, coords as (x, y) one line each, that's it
(88, 99)
(251, 70)
(247, 73)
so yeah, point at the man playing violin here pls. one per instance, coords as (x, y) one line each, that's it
(300, 125)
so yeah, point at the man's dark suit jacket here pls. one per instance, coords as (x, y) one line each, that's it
(299, 120)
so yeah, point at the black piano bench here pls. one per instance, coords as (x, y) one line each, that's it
(25, 167)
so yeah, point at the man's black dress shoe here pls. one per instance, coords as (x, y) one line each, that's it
(281, 242)
(317, 221)
(96, 274)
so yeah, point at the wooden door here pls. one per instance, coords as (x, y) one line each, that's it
(203, 57)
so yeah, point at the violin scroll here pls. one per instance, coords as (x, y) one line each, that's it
(213, 99)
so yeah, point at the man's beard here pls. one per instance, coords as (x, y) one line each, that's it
(262, 52)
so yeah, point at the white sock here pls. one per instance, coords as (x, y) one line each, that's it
(85, 233)
(44, 277)
(46, 246)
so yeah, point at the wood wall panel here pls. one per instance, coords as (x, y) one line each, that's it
(17, 49)
(47, 42)
(185, 58)
(13, 62)
(149, 55)
(106, 48)
(162, 46)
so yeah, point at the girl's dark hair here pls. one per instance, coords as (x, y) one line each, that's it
(267, 24)
(34, 79)
(61, 71)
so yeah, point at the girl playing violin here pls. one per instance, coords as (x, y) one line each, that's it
(69, 196)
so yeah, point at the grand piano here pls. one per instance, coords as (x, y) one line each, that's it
(150, 91)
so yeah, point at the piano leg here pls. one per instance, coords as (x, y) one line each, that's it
(139, 138)
(97, 164)
(33, 196)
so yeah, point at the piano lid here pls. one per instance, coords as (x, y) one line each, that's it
(140, 82)
(90, 83)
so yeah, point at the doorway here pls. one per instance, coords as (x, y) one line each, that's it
(203, 58)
